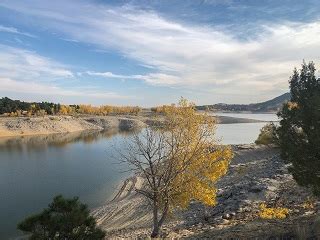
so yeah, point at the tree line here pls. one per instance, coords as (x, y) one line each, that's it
(16, 108)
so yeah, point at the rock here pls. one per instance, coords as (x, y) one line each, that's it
(232, 214)
(225, 221)
(226, 216)
(256, 189)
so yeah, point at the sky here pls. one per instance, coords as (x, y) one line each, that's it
(148, 52)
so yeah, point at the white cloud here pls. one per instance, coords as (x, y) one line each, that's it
(109, 75)
(23, 64)
(151, 78)
(11, 85)
(23, 71)
(182, 55)
(15, 31)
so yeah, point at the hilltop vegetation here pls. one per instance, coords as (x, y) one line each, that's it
(19, 108)
(9, 106)
(272, 105)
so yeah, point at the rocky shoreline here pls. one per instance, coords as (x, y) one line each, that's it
(256, 175)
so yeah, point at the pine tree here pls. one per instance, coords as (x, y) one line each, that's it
(63, 219)
(299, 131)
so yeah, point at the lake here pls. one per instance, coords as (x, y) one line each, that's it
(257, 116)
(238, 133)
(35, 169)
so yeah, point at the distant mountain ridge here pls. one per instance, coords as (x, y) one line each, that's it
(272, 105)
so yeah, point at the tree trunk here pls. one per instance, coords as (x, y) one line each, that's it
(164, 214)
(155, 231)
(157, 224)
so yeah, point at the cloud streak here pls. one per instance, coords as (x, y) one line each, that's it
(23, 71)
(151, 78)
(11, 85)
(15, 31)
(23, 64)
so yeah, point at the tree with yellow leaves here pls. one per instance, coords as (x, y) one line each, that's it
(180, 161)
(67, 110)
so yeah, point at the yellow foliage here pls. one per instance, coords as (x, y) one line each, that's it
(308, 204)
(204, 162)
(106, 110)
(179, 160)
(162, 109)
(66, 110)
(292, 105)
(273, 213)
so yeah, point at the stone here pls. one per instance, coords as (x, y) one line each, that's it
(256, 189)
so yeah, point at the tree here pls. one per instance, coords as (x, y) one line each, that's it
(299, 131)
(63, 219)
(179, 160)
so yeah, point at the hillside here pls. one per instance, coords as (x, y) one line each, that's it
(272, 105)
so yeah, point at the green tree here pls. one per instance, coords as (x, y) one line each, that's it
(66, 219)
(299, 131)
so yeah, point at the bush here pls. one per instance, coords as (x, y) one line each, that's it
(268, 135)
(273, 213)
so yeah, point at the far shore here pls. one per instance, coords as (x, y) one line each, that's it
(26, 126)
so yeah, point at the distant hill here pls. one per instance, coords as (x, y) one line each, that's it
(272, 105)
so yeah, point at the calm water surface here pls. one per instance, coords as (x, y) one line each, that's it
(35, 169)
(238, 133)
(256, 116)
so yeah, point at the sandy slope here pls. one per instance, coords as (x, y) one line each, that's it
(128, 210)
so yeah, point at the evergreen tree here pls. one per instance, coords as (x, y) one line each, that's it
(299, 131)
(66, 219)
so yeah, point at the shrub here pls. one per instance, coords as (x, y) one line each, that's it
(273, 213)
(267, 135)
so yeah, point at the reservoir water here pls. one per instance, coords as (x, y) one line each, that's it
(238, 133)
(35, 169)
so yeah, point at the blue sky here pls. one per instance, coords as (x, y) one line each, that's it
(145, 52)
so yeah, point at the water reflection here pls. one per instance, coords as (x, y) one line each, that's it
(33, 169)
(58, 140)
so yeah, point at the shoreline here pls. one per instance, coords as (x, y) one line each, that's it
(33, 126)
(48, 125)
